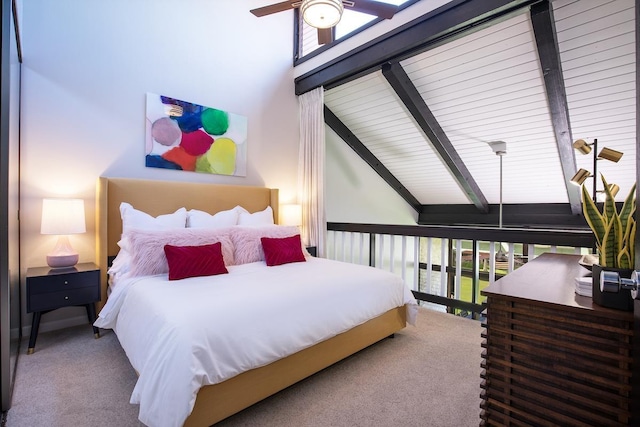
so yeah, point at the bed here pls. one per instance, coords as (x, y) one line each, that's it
(239, 389)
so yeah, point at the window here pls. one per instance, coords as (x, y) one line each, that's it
(350, 23)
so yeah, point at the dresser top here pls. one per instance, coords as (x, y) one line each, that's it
(549, 279)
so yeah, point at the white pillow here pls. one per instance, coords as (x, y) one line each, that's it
(135, 219)
(264, 217)
(222, 219)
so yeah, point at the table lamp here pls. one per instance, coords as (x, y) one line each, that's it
(291, 215)
(62, 217)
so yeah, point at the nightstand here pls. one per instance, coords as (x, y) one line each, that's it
(49, 289)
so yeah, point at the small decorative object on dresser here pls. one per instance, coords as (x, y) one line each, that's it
(615, 234)
(49, 289)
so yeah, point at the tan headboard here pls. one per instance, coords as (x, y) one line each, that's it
(162, 197)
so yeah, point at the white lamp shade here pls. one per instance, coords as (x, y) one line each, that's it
(63, 216)
(321, 13)
(291, 214)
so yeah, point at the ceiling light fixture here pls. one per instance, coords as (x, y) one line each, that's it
(322, 13)
(500, 148)
(605, 154)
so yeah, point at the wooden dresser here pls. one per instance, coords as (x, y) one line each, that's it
(552, 357)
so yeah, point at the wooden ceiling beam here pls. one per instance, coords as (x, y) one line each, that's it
(347, 136)
(547, 43)
(417, 107)
(447, 22)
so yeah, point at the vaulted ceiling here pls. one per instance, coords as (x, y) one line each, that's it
(536, 75)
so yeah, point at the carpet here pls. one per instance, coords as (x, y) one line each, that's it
(428, 375)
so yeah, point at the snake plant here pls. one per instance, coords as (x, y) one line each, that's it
(615, 232)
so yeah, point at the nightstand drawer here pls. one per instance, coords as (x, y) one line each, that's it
(53, 300)
(62, 282)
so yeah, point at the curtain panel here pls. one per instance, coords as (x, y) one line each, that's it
(311, 168)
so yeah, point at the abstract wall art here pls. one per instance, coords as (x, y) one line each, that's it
(184, 136)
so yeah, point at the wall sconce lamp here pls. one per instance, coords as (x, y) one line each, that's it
(62, 217)
(322, 13)
(605, 154)
(610, 281)
(291, 215)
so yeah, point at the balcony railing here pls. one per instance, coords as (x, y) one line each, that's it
(449, 266)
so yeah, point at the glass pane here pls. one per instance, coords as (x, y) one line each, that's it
(350, 21)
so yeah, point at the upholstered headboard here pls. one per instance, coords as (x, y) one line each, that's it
(162, 197)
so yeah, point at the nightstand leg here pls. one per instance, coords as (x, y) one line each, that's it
(35, 324)
(91, 314)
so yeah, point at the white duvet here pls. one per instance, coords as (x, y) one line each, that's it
(182, 335)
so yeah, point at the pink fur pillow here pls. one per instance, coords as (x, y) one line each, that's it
(147, 246)
(247, 245)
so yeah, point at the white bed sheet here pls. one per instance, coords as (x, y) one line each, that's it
(182, 335)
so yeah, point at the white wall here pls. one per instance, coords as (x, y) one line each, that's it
(87, 67)
(356, 193)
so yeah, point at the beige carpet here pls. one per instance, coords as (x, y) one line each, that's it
(427, 375)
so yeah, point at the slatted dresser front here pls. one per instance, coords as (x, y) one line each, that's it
(552, 357)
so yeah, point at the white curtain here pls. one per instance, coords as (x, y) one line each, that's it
(311, 169)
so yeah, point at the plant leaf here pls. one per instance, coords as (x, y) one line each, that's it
(609, 208)
(628, 208)
(607, 248)
(624, 259)
(632, 241)
(594, 218)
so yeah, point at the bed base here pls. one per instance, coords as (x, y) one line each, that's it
(219, 401)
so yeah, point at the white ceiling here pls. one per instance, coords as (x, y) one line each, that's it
(489, 86)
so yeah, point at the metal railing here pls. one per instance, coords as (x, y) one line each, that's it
(449, 266)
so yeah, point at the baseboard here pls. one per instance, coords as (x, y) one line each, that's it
(55, 325)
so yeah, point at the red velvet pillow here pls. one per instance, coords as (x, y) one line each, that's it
(278, 251)
(194, 261)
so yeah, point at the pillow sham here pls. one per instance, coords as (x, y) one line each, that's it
(264, 217)
(147, 247)
(194, 261)
(247, 246)
(283, 250)
(201, 219)
(134, 218)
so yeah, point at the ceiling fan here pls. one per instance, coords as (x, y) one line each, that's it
(325, 14)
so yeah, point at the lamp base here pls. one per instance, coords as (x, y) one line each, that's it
(62, 261)
(63, 255)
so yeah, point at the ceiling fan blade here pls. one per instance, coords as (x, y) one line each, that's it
(325, 35)
(377, 8)
(273, 8)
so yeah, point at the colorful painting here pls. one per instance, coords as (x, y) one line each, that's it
(190, 137)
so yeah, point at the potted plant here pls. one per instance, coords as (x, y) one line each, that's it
(615, 234)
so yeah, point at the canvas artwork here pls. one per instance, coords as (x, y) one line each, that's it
(190, 137)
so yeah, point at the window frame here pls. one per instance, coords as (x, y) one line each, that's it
(297, 34)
